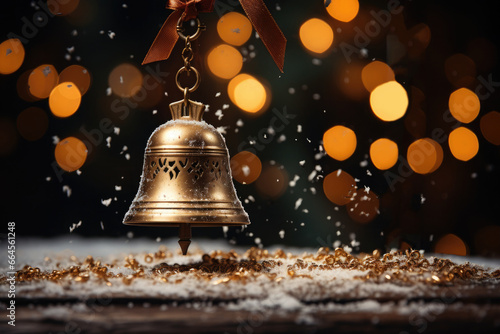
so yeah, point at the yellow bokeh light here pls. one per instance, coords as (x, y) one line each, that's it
(70, 154)
(125, 80)
(234, 28)
(62, 8)
(451, 244)
(464, 105)
(490, 125)
(463, 144)
(245, 167)
(375, 74)
(11, 55)
(247, 93)
(64, 100)
(225, 61)
(78, 75)
(384, 153)
(424, 156)
(316, 35)
(389, 101)
(339, 142)
(32, 123)
(342, 10)
(339, 186)
(42, 80)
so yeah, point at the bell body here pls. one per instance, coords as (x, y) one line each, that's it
(186, 176)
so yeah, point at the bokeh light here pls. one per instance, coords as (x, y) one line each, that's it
(78, 75)
(464, 105)
(245, 167)
(70, 154)
(384, 153)
(389, 101)
(125, 80)
(23, 88)
(419, 39)
(363, 206)
(272, 182)
(32, 123)
(342, 10)
(451, 244)
(42, 80)
(463, 144)
(339, 142)
(349, 81)
(247, 93)
(460, 70)
(424, 156)
(375, 74)
(339, 186)
(11, 55)
(490, 127)
(234, 28)
(152, 92)
(316, 35)
(8, 136)
(65, 99)
(62, 8)
(225, 61)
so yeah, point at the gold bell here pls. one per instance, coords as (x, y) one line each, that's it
(186, 179)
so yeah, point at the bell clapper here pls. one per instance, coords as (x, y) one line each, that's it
(184, 237)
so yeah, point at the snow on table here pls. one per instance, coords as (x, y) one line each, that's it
(221, 286)
(287, 281)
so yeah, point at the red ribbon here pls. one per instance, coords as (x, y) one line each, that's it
(257, 13)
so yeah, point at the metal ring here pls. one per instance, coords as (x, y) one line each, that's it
(180, 29)
(184, 69)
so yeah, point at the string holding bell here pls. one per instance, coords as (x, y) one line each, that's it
(256, 10)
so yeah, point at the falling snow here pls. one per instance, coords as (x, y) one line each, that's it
(293, 182)
(75, 226)
(66, 189)
(298, 203)
(106, 202)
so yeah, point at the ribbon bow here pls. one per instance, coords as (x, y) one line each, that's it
(257, 13)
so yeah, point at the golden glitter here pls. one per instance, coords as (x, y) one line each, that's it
(219, 267)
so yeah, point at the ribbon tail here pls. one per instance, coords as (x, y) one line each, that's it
(268, 30)
(165, 40)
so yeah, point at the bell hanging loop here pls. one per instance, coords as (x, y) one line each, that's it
(199, 28)
(184, 69)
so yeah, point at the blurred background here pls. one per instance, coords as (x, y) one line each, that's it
(382, 132)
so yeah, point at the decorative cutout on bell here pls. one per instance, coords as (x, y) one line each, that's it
(186, 179)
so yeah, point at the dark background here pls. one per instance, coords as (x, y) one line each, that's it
(455, 202)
